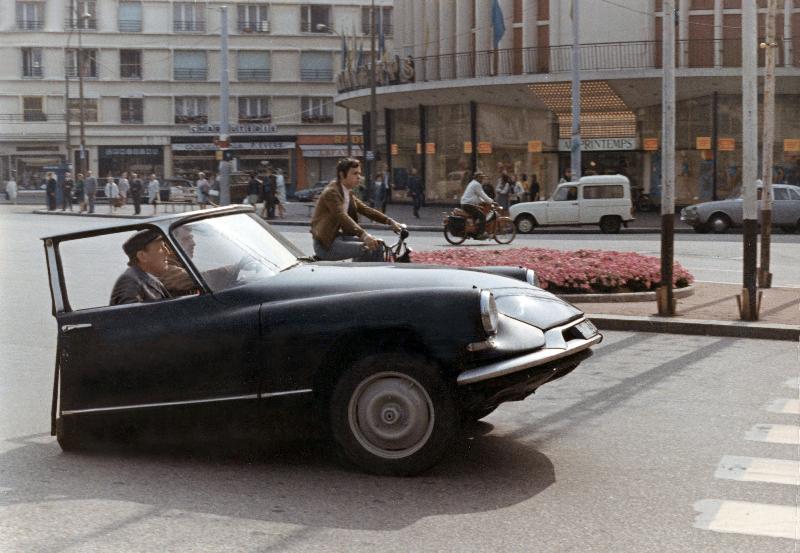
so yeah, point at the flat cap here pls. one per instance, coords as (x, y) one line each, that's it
(138, 241)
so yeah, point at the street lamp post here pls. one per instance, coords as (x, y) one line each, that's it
(373, 103)
(323, 27)
(80, 61)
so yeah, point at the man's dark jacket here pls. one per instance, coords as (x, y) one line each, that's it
(135, 286)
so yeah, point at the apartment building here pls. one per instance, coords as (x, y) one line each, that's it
(151, 84)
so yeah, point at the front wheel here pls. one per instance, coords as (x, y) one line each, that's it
(392, 414)
(610, 224)
(504, 230)
(453, 238)
(719, 223)
(525, 224)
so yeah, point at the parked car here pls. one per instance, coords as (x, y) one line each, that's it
(603, 200)
(390, 359)
(721, 215)
(311, 193)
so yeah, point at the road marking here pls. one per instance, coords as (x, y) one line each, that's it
(741, 517)
(784, 406)
(793, 383)
(754, 469)
(774, 434)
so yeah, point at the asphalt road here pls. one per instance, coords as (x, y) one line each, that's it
(656, 443)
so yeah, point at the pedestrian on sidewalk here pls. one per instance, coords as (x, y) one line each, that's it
(136, 190)
(535, 188)
(153, 188)
(51, 185)
(112, 193)
(202, 190)
(280, 193)
(416, 191)
(66, 192)
(503, 189)
(80, 192)
(11, 189)
(124, 187)
(90, 187)
(269, 186)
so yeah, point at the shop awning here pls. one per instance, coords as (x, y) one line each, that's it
(329, 150)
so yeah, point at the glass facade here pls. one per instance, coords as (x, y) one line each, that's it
(448, 170)
(404, 140)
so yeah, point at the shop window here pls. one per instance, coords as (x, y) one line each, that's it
(191, 109)
(89, 109)
(317, 110)
(253, 66)
(131, 110)
(30, 16)
(130, 64)
(253, 18)
(83, 16)
(316, 66)
(315, 19)
(130, 17)
(383, 20)
(32, 62)
(33, 108)
(190, 66)
(87, 62)
(254, 109)
(189, 17)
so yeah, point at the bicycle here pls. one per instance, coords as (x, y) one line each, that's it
(458, 226)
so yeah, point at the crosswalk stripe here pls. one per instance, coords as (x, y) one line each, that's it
(774, 433)
(784, 406)
(741, 517)
(754, 469)
(793, 383)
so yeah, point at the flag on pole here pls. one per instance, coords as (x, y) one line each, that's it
(345, 55)
(361, 59)
(498, 24)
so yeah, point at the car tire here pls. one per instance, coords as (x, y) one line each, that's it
(719, 223)
(701, 228)
(610, 224)
(504, 230)
(392, 414)
(68, 436)
(525, 223)
(453, 238)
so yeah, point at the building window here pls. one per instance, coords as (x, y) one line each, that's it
(89, 109)
(88, 65)
(30, 16)
(316, 66)
(32, 108)
(31, 62)
(191, 109)
(254, 109)
(314, 17)
(189, 17)
(253, 66)
(130, 64)
(253, 18)
(131, 110)
(383, 20)
(190, 66)
(317, 110)
(76, 19)
(130, 17)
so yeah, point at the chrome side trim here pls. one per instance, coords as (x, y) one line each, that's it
(528, 361)
(190, 402)
(67, 328)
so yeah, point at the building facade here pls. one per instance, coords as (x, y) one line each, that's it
(151, 85)
(466, 92)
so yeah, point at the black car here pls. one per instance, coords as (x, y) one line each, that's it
(388, 359)
(312, 193)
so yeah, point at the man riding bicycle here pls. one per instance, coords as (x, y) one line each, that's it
(472, 199)
(334, 225)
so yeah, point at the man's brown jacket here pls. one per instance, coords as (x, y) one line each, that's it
(330, 219)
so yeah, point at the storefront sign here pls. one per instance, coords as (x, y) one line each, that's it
(484, 147)
(703, 143)
(534, 146)
(394, 149)
(329, 150)
(650, 144)
(467, 147)
(430, 147)
(600, 144)
(726, 144)
(234, 146)
(791, 144)
(252, 128)
(103, 151)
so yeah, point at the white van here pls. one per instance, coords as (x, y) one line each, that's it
(603, 200)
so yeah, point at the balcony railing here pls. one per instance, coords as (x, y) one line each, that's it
(388, 29)
(191, 119)
(36, 116)
(317, 118)
(180, 26)
(180, 74)
(615, 56)
(322, 75)
(130, 71)
(73, 72)
(253, 74)
(312, 27)
(253, 26)
(264, 118)
(130, 25)
(30, 24)
(84, 24)
(33, 73)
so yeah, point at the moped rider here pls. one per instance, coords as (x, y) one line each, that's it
(473, 198)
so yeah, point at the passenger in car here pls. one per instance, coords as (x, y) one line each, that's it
(176, 278)
(147, 259)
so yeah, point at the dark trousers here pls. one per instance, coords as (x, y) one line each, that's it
(137, 203)
(475, 212)
(51, 201)
(417, 203)
(66, 202)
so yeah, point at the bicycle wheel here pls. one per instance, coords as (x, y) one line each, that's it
(452, 237)
(504, 230)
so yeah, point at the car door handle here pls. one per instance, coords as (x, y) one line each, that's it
(68, 328)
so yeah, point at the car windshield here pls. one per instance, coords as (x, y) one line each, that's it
(234, 250)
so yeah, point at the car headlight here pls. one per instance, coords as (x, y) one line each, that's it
(489, 314)
(532, 278)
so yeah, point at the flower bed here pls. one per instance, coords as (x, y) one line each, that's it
(581, 271)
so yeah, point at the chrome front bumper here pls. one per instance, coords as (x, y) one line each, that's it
(555, 348)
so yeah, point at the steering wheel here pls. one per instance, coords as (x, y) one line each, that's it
(246, 263)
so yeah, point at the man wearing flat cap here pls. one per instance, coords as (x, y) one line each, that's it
(147, 259)
(472, 199)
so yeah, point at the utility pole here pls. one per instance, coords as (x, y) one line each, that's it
(323, 27)
(373, 103)
(575, 145)
(748, 301)
(66, 92)
(664, 296)
(81, 62)
(764, 276)
(223, 143)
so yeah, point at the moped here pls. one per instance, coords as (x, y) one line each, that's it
(458, 226)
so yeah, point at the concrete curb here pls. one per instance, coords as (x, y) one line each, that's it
(624, 297)
(697, 327)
